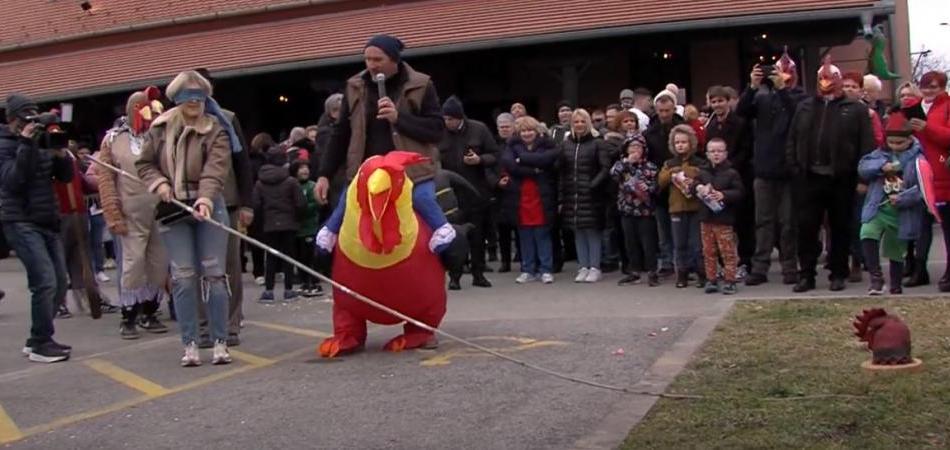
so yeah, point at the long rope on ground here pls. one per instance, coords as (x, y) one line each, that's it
(391, 311)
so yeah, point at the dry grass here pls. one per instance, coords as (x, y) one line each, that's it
(762, 365)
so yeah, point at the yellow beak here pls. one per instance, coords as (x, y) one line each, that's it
(379, 185)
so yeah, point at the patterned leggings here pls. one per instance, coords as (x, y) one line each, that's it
(719, 240)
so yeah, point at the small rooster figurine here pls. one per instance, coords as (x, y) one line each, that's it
(887, 336)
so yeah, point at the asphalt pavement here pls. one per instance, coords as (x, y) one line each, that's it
(279, 394)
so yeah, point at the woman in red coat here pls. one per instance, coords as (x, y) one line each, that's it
(934, 136)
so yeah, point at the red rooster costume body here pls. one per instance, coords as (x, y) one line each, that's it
(383, 253)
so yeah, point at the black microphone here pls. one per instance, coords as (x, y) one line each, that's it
(380, 84)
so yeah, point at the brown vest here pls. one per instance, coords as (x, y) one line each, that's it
(410, 99)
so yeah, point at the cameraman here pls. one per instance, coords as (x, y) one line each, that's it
(30, 218)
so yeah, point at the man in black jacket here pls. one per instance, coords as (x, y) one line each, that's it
(468, 149)
(30, 217)
(828, 135)
(657, 136)
(771, 105)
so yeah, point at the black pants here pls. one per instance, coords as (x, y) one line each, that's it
(745, 222)
(453, 258)
(505, 233)
(640, 238)
(922, 246)
(284, 242)
(816, 196)
(613, 237)
(481, 222)
(305, 253)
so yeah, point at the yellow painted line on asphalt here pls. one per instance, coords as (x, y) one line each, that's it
(70, 420)
(253, 360)
(288, 329)
(132, 380)
(523, 344)
(9, 432)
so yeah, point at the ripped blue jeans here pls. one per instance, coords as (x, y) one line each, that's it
(198, 255)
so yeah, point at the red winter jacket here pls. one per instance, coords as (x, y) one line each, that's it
(935, 139)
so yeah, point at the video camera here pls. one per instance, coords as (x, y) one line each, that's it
(51, 134)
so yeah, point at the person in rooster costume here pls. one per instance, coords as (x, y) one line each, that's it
(384, 237)
(828, 135)
(129, 210)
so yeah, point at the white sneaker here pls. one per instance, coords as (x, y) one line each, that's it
(581, 275)
(547, 278)
(220, 354)
(525, 278)
(259, 281)
(593, 275)
(191, 357)
(102, 277)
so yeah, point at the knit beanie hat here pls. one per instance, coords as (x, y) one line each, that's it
(636, 139)
(897, 124)
(564, 104)
(276, 155)
(19, 105)
(390, 45)
(453, 108)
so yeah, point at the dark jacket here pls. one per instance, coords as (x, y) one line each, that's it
(737, 134)
(278, 199)
(538, 164)
(360, 135)
(450, 188)
(453, 147)
(724, 179)
(584, 168)
(26, 181)
(851, 136)
(772, 113)
(657, 136)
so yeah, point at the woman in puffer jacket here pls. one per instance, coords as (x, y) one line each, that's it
(584, 166)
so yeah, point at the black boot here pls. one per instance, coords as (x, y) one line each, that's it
(479, 280)
(919, 276)
(682, 278)
(910, 260)
(897, 275)
(127, 329)
(505, 267)
(149, 321)
(871, 250)
(455, 282)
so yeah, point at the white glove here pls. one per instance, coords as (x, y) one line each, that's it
(441, 236)
(326, 239)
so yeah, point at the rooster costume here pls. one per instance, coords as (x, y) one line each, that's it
(385, 251)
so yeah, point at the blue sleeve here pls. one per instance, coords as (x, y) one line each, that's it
(425, 204)
(870, 165)
(335, 222)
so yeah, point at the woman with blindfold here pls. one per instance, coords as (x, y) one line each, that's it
(186, 156)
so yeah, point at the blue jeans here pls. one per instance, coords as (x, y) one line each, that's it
(199, 248)
(588, 245)
(97, 225)
(686, 240)
(665, 233)
(41, 252)
(537, 255)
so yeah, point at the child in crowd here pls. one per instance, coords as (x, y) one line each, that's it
(893, 208)
(636, 177)
(681, 171)
(279, 202)
(530, 199)
(719, 186)
(309, 286)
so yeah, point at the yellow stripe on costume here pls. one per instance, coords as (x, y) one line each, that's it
(349, 238)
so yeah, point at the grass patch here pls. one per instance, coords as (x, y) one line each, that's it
(764, 368)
